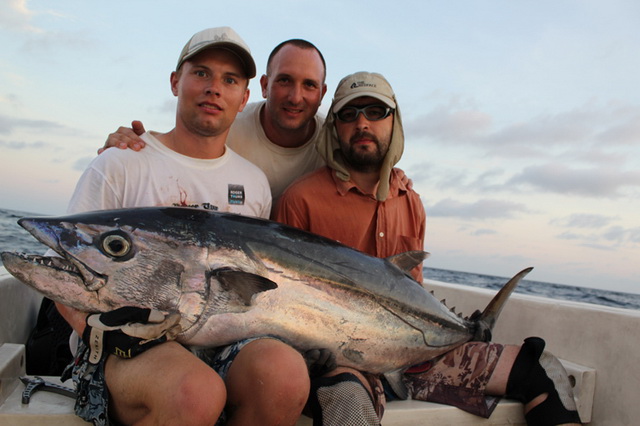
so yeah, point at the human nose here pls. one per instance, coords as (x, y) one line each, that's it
(295, 94)
(213, 88)
(362, 122)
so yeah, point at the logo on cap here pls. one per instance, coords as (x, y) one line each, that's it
(357, 84)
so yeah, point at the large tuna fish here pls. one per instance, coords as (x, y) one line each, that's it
(231, 277)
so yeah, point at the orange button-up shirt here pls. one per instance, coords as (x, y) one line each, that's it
(322, 203)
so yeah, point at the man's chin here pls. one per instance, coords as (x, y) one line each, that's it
(365, 161)
(294, 121)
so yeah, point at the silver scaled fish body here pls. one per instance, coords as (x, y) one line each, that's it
(232, 277)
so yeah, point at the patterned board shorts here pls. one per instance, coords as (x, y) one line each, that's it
(92, 401)
(458, 377)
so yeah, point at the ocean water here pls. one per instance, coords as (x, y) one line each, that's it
(614, 299)
(14, 238)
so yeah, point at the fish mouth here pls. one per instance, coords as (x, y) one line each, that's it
(49, 233)
(91, 279)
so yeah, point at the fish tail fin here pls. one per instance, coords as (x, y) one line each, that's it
(487, 319)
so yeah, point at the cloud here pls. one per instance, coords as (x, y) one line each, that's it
(624, 127)
(11, 100)
(16, 16)
(625, 133)
(547, 130)
(25, 126)
(597, 156)
(448, 123)
(582, 220)
(589, 182)
(484, 231)
(600, 247)
(570, 236)
(609, 238)
(482, 209)
(10, 124)
(80, 40)
(18, 146)
(622, 235)
(593, 126)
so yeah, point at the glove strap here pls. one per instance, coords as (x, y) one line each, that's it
(95, 342)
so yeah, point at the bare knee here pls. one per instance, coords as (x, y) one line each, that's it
(268, 381)
(199, 398)
(165, 385)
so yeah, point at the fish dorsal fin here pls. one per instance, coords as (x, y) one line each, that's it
(408, 260)
(244, 284)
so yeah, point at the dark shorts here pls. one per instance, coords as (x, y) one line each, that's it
(458, 378)
(92, 401)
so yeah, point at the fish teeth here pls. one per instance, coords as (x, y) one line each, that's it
(54, 262)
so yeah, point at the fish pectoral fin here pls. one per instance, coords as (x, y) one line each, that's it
(394, 378)
(408, 260)
(244, 284)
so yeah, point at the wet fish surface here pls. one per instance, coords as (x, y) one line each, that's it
(232, 277)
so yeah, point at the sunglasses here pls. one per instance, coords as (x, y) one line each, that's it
(350, 114)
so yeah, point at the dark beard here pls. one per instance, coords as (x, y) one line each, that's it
(364, 161)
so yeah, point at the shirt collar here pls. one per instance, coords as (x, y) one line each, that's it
(396, 186)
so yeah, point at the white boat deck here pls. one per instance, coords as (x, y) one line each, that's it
(594, 338)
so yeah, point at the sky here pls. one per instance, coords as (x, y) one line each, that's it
(522, 118)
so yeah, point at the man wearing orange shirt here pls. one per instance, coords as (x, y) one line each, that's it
(358, 198)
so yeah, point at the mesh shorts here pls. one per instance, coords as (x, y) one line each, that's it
(458, 377)
(343, 400)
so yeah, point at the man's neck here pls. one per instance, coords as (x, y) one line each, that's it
(366, 181)
(192, 145)
(286, 138)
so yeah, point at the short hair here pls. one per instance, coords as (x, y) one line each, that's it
(302, 44)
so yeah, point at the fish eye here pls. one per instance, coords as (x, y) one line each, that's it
(116, 245)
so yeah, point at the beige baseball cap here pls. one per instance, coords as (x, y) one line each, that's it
(220, 37)
(363, 84)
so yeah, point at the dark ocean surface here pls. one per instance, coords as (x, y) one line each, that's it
(14, 238)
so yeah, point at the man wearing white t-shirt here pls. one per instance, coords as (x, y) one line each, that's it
(261, 381)
(161, 176)
(279, 134)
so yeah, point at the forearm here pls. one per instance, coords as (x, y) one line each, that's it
(76, 319)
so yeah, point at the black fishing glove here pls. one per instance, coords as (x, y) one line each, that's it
(128, 331)
(319, 362)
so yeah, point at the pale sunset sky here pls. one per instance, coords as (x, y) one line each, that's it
(522, 118)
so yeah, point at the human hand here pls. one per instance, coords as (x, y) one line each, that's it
(128, 331)
(404, 179)
(319, 362)
(126, 137)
